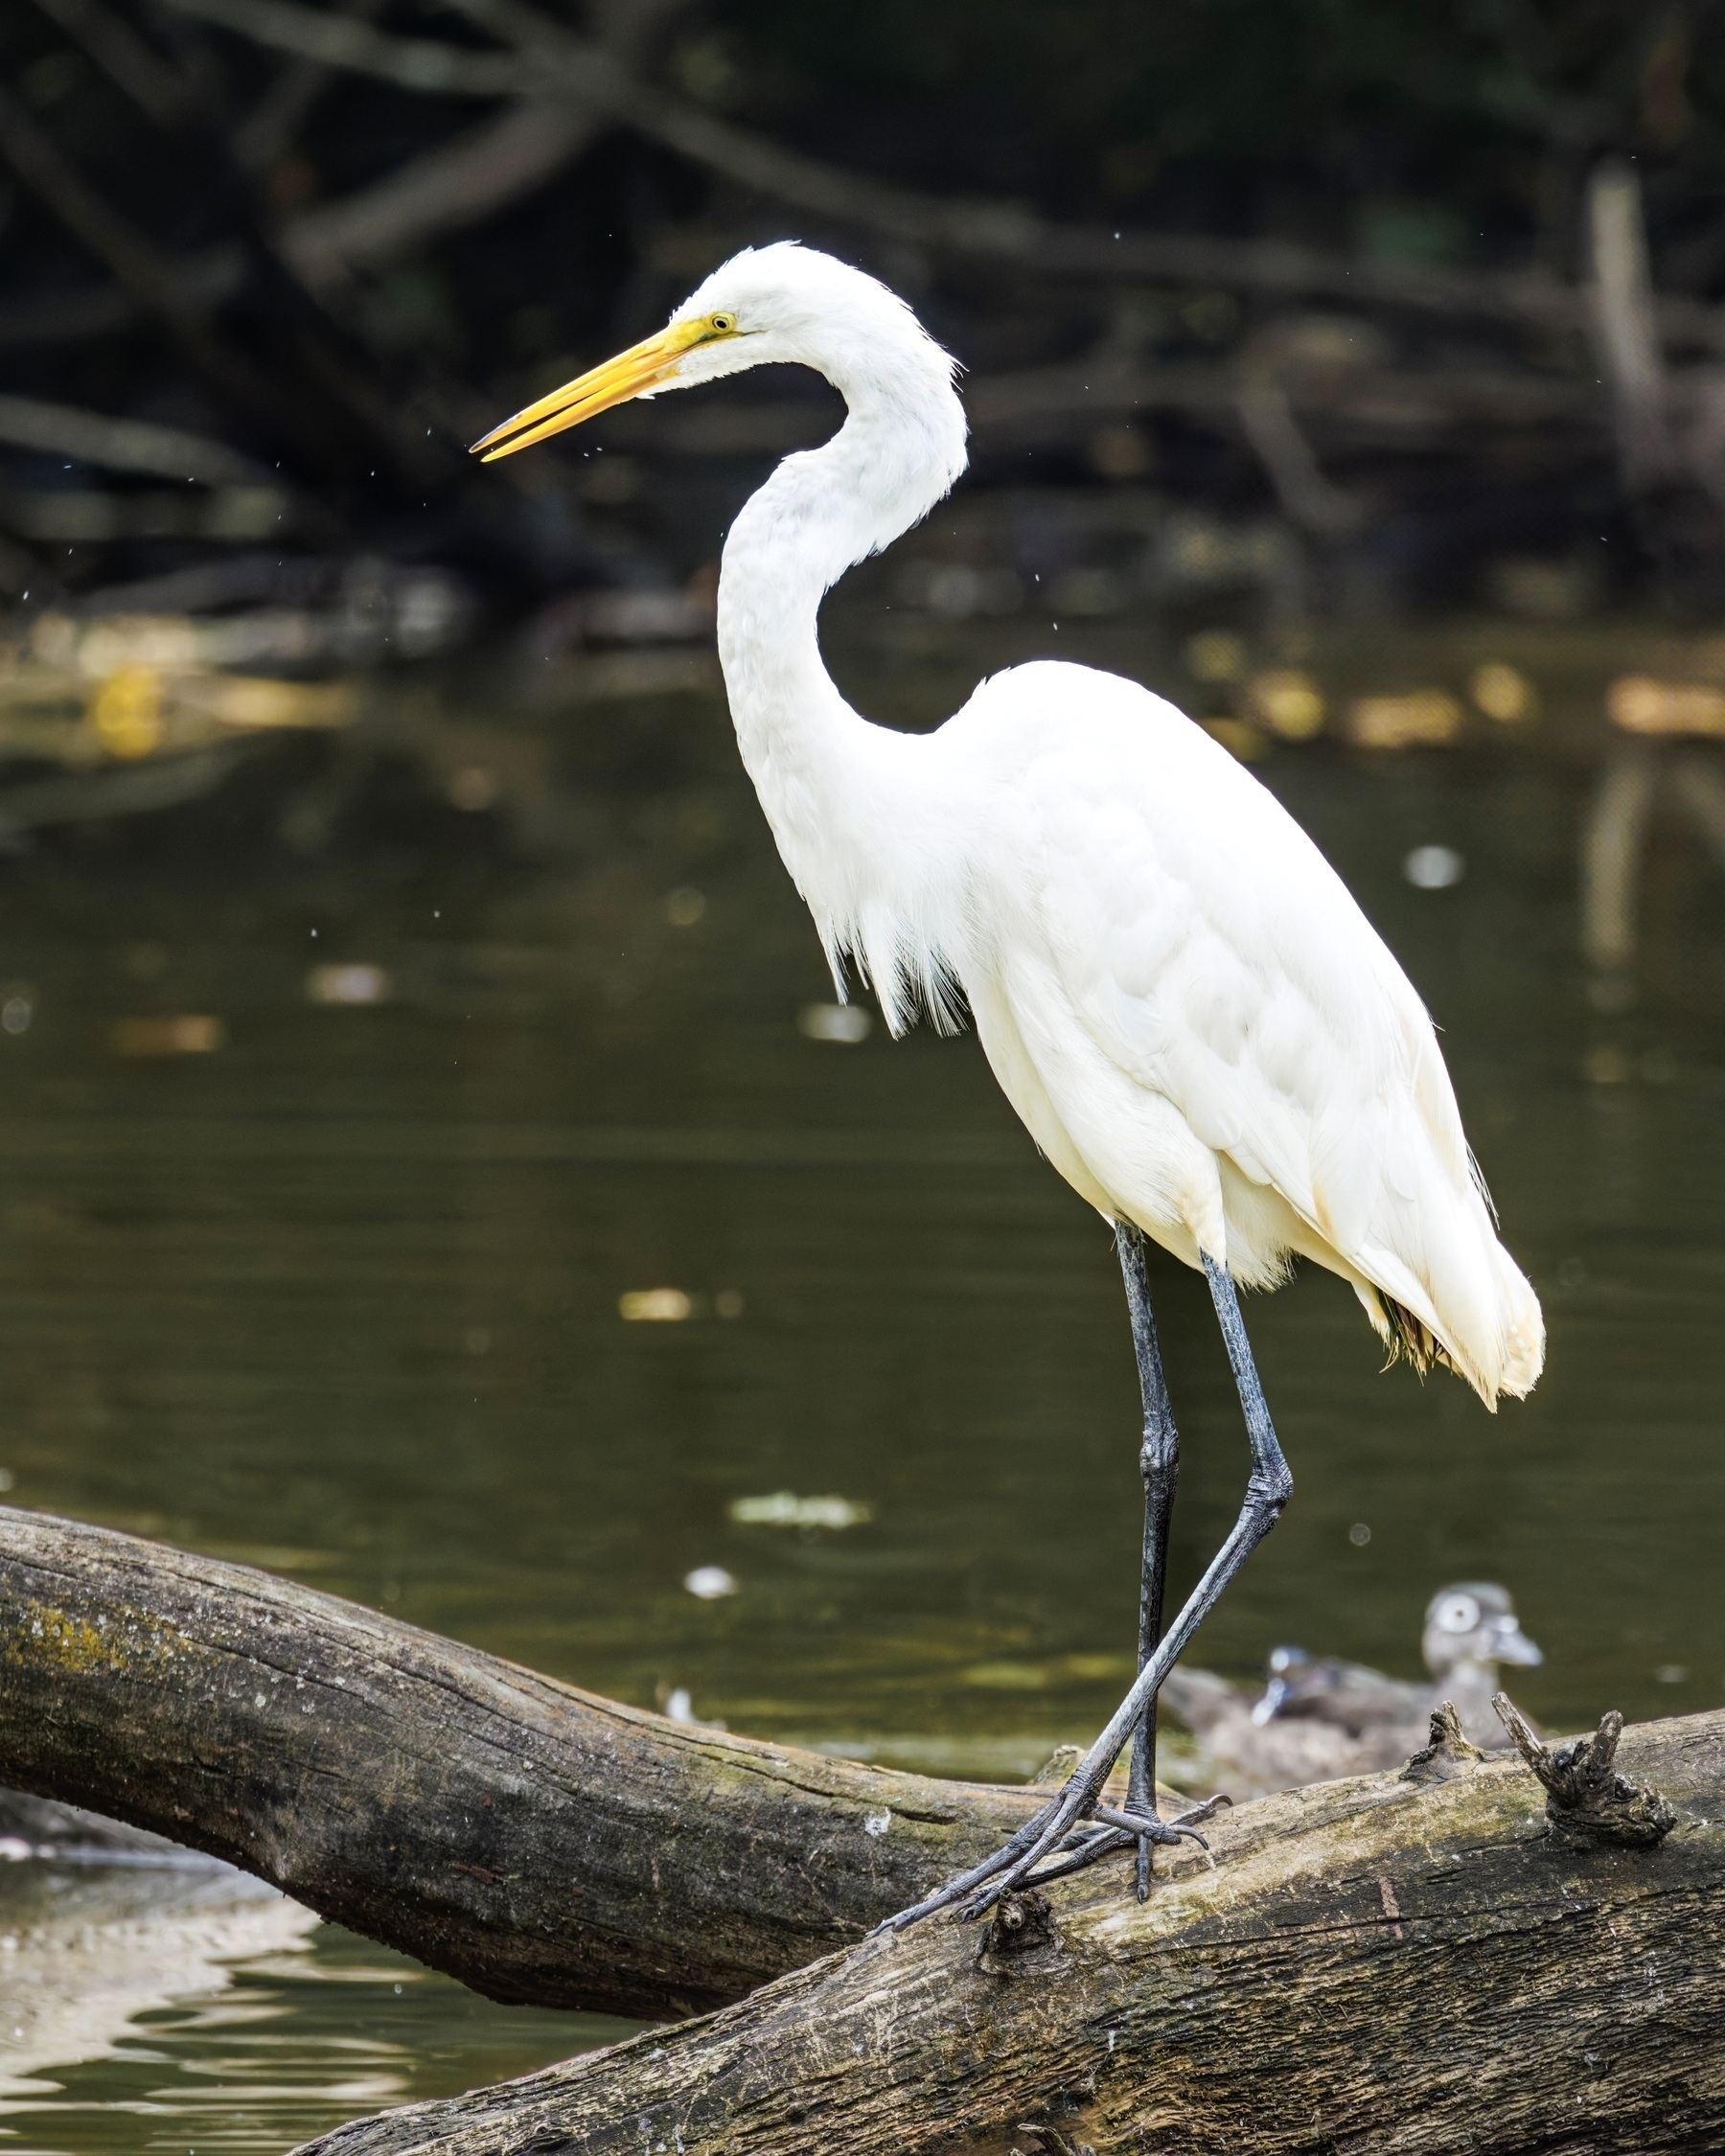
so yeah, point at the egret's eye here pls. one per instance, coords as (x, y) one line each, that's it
(722, 324)
(1460, 1613)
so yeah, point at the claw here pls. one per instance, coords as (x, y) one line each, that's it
(1159, 1830)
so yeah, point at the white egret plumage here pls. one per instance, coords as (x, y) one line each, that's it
(1177, 993)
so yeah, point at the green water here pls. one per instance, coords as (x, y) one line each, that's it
(341, 1299)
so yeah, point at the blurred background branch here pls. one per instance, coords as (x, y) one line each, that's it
(1317, 286)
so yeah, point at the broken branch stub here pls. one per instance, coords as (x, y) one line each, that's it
(1449, 1753)
(1588, 1802)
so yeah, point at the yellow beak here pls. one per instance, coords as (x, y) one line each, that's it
(640, 368)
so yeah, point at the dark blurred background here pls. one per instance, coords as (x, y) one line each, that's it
(1415, 305)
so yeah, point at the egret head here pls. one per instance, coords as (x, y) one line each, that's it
(1475, 1622)
(768, 305)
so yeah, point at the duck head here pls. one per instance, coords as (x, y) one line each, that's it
(1475, 1622)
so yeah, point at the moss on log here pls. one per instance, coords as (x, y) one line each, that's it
(1379, 1966)
(542, 1845)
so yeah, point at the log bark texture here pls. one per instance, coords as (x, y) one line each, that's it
(1382, 1967)
(540, 1844)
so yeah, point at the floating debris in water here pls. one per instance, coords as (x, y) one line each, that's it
(1424, 719)
(195, 1034)
(709, 1583)
(783, 1508)
(1503, 692)
(1216, 655)
(126, 713)
(1434, 868)
(1359, 1534)
(728, 1303)
(685, 907)
(16, 1013)
(473, 789)
(677, 1704)
(1289, 702)
(348, 984)
(655, 1306)
(1641, 704)
(840, 1023)
(1672, 1673)
(1008, 1676)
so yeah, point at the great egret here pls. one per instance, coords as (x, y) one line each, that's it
(1175, 990)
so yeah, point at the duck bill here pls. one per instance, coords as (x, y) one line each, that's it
(637, 372)
(1514, 1646)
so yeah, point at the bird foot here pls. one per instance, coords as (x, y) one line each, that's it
(1102, 1832)
(1067, 1835)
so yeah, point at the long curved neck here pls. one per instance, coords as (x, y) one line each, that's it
(846, 800)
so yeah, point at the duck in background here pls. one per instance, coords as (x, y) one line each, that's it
(1317, 1720)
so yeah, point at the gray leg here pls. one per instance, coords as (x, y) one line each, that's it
(1159, 1464)
(1268, 1488)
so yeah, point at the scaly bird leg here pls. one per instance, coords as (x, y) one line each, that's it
(1158, 1464)
(1268, 1489)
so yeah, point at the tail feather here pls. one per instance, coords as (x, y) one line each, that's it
(1501, 1356)
(1409, 1338)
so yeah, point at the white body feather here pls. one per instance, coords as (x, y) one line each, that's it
(1177, 993)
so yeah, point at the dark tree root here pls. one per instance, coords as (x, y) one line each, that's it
(1588, 1804)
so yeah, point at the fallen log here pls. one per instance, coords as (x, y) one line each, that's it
(542, 1845)
(1398, 1964)
(1393, 1965)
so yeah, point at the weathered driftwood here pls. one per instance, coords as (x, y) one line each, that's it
(1387, 1965)
(1399, 1964)
(539, 1843)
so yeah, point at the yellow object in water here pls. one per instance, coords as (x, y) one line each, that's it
(190, 1034)
(1642, 704)
(1289, 702)
(660, 1306)
(1503, 692)
(126, 713)
(1424, 719)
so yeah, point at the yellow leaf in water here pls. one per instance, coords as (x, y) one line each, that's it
(1503, 692)
(1641, 704)
(1008, 1676)
(1425, 719)
(192, 1035)
(662, 1306)
(1289, 702)
(126, 713)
